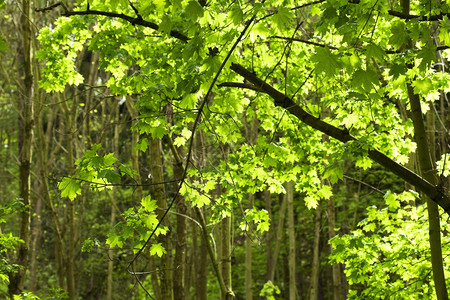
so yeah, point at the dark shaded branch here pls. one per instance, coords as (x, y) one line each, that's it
(136, 11)
(239, 85)
(304, 41)
(420, 18)
(365, 184)
(436, 193)
(308, 4)
(336, 48)
(132, 20)
(51, 7)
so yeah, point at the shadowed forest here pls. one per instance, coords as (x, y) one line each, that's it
(201, 149)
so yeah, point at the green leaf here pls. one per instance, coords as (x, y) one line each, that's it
(142, 145)
(125, 170)
(194, 10)
(399, 35)
(110, 175)
(444, 31)
(69, 188)
(326, 62)
(364, 79)
(263, 227)
(166, 24)
(283, 17)
(158, 130)
(109, 159)
(375, 52)
(398, 69)
(428, 56)
(236, 14)
(334, 171)
(422, 85)
(201, 200)
(149, 204)
(391, 200)
(311, 202)
(88, 244)
(150, 221)
(188, 101)
(157, 249)
(114, 240)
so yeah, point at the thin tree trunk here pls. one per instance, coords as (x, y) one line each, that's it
(279, 237)
(248, 257)
(159, 193)
(252, 134)
(180, 247)
(110, 282)
(181, 208)
(138, 180)
(92, 76)
(291, 230)
(215, 264)
(134, 153)
(17, 280)
(269, 255)
(201, 266)
(70, 259)
(201, 260)
(314, 292)
(336, 268)
(226, 258)
(36, 233)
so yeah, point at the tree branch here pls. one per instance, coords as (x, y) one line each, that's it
(438, 48)
(239, 85)
(51, 7)
(436, 193)
(304, 41)
(132, 20)
(420, 18)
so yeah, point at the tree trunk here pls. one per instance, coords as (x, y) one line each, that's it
(252, 135)
(427, 171)
(279, 236)
(314, 292)
(336, 268)
(226, 258)
(269, 255)
(134, 153)
(180, 247)
(26, 125)
(291, 229)
(248, 257)
(70, 259)
(223, 287)
(159, 193)
(201, 267)
(36, 233)
(110, 282)
(201, 253)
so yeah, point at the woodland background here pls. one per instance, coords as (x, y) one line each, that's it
(224, 149)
